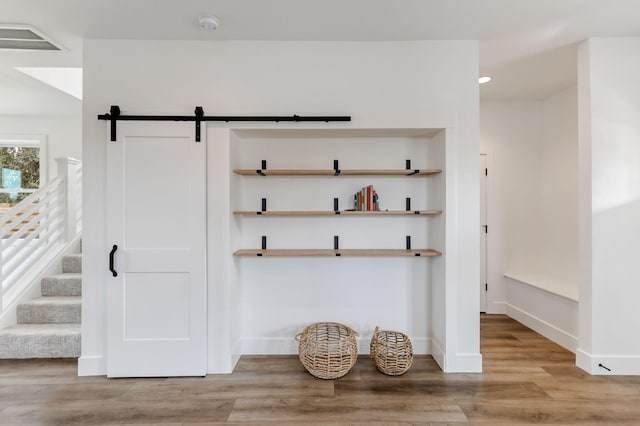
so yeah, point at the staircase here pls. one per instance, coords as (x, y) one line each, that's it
(48, 326)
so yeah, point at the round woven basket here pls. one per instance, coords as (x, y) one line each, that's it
(327, 350)
(391, 351)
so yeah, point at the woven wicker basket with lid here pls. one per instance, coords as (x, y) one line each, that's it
(391, 351)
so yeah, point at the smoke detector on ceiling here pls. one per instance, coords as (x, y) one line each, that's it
(25, 37)
(208, 22)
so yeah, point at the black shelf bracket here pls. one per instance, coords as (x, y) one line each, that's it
(336, 169)
(407, 166)
(336, 242)
(114, 115)
(408, 240)
(335, 206)
(263, 166)
(407, 204)
(263, 207)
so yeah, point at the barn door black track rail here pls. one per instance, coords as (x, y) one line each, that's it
(114, 116)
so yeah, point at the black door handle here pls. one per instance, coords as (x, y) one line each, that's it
(113, 252)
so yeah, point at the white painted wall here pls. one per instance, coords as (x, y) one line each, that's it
(510, 132)
(609, 107)
(395, 85)
(63, 134)
(559, 180)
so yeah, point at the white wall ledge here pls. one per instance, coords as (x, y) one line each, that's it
(548, 313)
(568, 290)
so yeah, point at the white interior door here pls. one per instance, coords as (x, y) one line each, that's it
(156, 181)
(483, 233)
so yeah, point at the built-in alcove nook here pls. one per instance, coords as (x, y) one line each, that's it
(282, 194)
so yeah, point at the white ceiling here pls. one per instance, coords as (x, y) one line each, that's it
(528, 46)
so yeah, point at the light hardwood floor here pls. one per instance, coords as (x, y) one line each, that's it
(526, 380)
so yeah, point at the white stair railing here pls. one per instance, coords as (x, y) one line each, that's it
(38, 226)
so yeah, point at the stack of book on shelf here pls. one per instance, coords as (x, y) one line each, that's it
(366, 199)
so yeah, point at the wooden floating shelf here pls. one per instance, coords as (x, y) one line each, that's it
(331, 172)
(340, 213)
(337, 253)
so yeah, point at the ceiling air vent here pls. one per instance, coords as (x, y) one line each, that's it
(24, 37)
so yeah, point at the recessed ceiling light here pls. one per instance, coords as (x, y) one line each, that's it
(208, 22)
(485, 79)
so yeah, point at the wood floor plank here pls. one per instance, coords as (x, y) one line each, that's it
(353, 409)
(528, 357)
(248, 388)
(21, 392)
(112, 412)
(550, 411)
(443, 389)
(588, 390)
(335, 423)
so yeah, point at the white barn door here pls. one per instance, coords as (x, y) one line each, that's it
(156, 193)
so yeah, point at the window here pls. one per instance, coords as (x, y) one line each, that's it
(21, 171)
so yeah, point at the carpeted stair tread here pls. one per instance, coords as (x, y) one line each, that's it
(72, 263)
(69, 284)
(49, 326)
(40, 341)
(50, 310)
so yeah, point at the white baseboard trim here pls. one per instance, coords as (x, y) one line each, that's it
(269, 346)
(550, 331)
(222, 362)
(609, 365)
(438, 354)
(463, 363)
(421, 346)
(288, 346)
(92, 366)
(236, 352)
(456, 363)
(225, 366)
